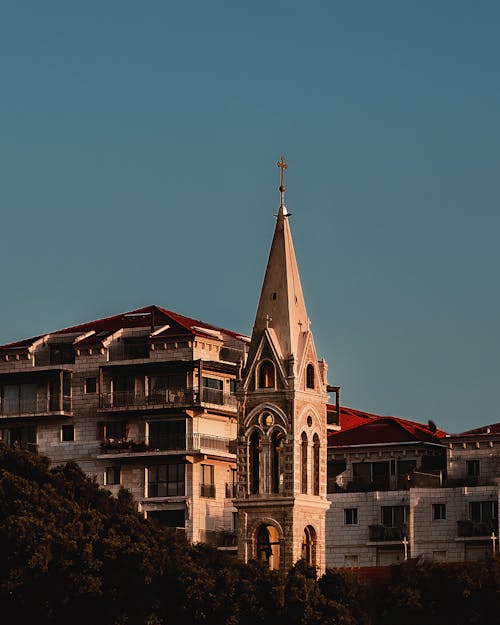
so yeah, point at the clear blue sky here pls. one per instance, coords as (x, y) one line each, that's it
(137, 166)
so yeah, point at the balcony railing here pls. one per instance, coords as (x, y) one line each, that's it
(383, 533)
(219, 538)
(165, 398)
(34, 406)
(190, 443)
(469, 529)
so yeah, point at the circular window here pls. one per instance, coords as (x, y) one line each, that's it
(309, 421)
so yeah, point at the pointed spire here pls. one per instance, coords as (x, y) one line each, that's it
(281, 306)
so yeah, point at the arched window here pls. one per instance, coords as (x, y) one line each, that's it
(310, 376)
(308, 545)
(315, 470)
(276, 446)
(266, 374)
(303, 463)
(254, 461)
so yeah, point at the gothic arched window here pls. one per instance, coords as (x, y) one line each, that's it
(276, 446)
(254, 462)
(310, 376)
(315, 470)
(303, 463)
(266, 374)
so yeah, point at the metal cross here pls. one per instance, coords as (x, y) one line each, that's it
(268, 319)
(282, 165)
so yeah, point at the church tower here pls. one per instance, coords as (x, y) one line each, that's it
(282, 421)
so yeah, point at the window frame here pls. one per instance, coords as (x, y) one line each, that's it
(351, 516)
(65, 427)
(439, 511)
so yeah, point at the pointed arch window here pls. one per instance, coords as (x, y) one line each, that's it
(309, 376)
(303, 463)
(267, 375)
(254, 461)
(276, 447)
(316, 449)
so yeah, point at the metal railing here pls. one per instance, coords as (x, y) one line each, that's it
(383, 533)
(207, 490)
(166, 397)
(34, 406)
(467, 528)
(190, 442)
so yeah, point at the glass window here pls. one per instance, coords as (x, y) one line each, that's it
(395, 516)
(19, 398)
(438, 511)
(483, 510)
(472, 468)
(115, 430)
(166, 480)
(90, 385)
(67, 433)
(310, 376)
(350, 516)
(167, 434)
(207, 480)
(112, 475)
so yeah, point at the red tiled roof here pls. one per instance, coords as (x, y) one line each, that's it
(141, 317)
(376, 430)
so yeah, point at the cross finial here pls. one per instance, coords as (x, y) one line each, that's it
(282, 165)
(268, 319)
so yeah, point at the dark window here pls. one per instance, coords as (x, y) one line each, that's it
(166, 480)
(167, 434)
(310, 376)
(315, 475)
(213, 390)
(22, 437)
(395, 516)
(168, 518)
(207, 480)
(254, 453)
(303, 463)
(276, 449)
(350, 516)
(90, 385)
(483, 511)
(19, 398)
(115, 430)
(112, 476)
(67, 433)
(62, 354)
(438, 511)
(472, 468)
(266, 375)
(136, 348)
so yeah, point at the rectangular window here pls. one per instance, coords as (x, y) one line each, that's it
(395, 516)
(112, 476)
(472, 468)
(67, 433)
(483, 511)
(19, 399)
(207, 481)
(22, 437)
(166, 480)
(115, 430)
(167, 434)
(438, 511)
(350, 516)
(90, 386)
(213, 390)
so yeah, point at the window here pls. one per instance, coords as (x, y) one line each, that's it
(472, 468)
(439, 556)
(167, 434)
(438, 511)
(166, 480)
(213, 392)
(266, 374)
(351, 560)
(482, 511)
(350, 516)
(276, 461)
(315, 469)
(115, 430)
(67, 433)
(62, 354)
(207, 481)
(395, 516)
(233, 384)
(90, 386)
(254, 453)
(310, 376)
(303, 463)
(112, 476)
(22, 437)
(18, 398)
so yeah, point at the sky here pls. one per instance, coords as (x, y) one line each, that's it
(138, 149)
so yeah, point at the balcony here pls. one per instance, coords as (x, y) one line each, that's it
(381, 533)
(192, 443)
(169, 398)
(207, 490)
(219, 538)
(470, 529)
(34, 407)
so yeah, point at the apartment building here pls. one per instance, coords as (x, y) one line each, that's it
(145, 400)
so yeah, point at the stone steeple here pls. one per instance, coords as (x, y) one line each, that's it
(282, 421)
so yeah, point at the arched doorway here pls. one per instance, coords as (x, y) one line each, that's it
(268, 546)
(309, 545)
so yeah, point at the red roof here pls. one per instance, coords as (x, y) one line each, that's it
(139, 318)
(494, 428)
(361, 428)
